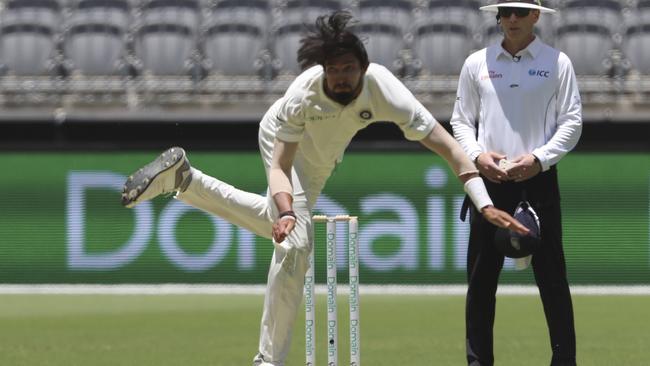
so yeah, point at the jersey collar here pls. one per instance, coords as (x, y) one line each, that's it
(532, 50)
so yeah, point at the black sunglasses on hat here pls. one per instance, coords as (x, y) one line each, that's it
(506, 12)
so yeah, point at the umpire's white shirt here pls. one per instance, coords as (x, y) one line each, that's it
(524, 104)
(324, 128)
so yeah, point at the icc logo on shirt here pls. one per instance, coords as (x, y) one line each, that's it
(540, 73)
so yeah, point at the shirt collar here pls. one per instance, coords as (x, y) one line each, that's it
(532, 50)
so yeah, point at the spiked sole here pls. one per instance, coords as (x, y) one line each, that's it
(139, 182)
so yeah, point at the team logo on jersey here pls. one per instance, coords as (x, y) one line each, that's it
(365, 114)
(540, 73)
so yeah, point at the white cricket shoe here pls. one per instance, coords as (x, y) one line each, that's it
(169, 172)
(259, 361)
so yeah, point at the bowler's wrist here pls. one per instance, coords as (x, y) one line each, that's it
(287, 214)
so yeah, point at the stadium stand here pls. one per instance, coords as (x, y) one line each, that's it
(237, 52)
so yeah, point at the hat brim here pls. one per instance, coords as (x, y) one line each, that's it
(525, 245)
(495, 7)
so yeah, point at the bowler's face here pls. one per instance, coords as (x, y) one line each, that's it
(343, 78)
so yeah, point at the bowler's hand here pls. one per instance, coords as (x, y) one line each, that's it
(503, 219)
(282, 227)
(523, 168)
(488, 164)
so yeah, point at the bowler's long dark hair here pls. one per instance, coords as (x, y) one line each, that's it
(331, 38)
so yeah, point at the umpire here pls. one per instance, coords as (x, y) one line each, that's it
(517, 113)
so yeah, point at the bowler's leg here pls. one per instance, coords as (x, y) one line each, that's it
(244, 209)
(284, 290)
(169, 172)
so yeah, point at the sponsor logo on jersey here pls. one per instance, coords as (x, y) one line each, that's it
(491, 75)
(322, 117)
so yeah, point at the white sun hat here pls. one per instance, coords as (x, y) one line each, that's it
(530, 4)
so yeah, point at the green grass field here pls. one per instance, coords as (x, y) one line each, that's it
(222, 330)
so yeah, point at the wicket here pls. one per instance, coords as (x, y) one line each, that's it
(310, 283)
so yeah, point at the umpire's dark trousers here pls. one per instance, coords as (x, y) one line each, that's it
(484, 264)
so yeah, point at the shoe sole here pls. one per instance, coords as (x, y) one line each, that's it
(138, 183)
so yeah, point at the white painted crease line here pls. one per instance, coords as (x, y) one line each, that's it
(227, 289)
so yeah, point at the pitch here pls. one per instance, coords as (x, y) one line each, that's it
(222, 330)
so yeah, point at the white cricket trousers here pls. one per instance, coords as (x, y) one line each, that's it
(285, 283)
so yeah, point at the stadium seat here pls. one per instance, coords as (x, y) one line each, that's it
(95, 40)
(643, 11)
(636, 43)
(94, 49)
(398, 13)
(461, 12)
(166, 38)
(186, 13)
(285, 47)
(606, 13)
(383, 43)
(442, 47)
(306, 11)
(587, 34)
(234, 49)
(447, 25)
(587, 45)
(239, 26)
(26, 49)
(27, 36)
(637, 47)
(113, 12)
(252, 12)
(165, 49)
(42, 12)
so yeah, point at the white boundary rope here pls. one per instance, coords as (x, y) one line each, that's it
(364, 290)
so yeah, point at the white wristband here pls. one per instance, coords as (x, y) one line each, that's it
(475, 189)
(288, 217)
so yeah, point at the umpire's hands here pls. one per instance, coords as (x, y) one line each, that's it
(282, 227)
(523, 168)
(503, 219)
(488, 164)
